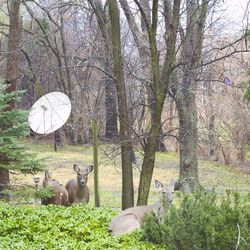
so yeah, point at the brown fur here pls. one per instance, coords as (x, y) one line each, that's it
(77, 188)
(60, 194)
(132, 218)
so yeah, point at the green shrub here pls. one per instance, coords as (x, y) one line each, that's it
(56, 227)
(203, 221)
(14, 128)
(25, 194)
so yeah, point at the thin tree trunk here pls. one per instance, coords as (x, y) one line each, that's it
(57, 139)
(110, 102)
(110, 94)
(159, 86)
(149, 156)
(70, 124)
(126, 147)
(95, 160)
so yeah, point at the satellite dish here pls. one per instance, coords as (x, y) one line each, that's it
(49, 113)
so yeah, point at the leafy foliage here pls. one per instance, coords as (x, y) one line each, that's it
(203, 221)
(55, 227)
(24, 194)
(13, 128)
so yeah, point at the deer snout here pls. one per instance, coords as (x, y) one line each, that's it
(83, 182)
(170, 199)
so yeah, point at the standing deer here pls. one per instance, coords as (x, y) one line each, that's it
(77, 188)
(132, 218)
(60, 194)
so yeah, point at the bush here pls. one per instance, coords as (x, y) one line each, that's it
(56, 227)
(203, 221)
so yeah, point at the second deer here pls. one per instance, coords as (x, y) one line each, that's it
(59, 193)
(132, 218)
(77, 188)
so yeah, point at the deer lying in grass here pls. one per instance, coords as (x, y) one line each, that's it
(77, 188)
(60, 194)
(132, 218)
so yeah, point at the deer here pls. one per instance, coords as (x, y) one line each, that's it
(59, 193)
(77, 188)
(132, 218)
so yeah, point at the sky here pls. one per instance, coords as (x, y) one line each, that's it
(236, 13)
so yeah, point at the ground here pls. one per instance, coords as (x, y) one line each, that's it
(166, 168)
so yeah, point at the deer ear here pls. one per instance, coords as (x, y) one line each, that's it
(47, 174)
(76, 167)
(158, 184)
(90, 168)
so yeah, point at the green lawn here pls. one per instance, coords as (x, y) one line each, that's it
(85, 227)
(166, 167)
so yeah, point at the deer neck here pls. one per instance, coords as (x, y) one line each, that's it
(81, 189)
(157, 208)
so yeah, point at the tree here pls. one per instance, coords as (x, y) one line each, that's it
(12, 64)
(126, 147)
(186, 93)
(13, 127)
(161, 77)
(141, 41)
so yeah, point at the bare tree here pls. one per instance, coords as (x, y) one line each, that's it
(186, 93)
(126, 147)
(161, 77)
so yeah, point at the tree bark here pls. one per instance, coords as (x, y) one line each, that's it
(187, 112)
(95, 160)
(160, 82)
(70, 124)
(149, 156)
(110, 93)
(110, 102)
(126, 147)
(185, 100)
(12, 64)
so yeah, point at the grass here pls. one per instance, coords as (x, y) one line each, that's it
(166, 168)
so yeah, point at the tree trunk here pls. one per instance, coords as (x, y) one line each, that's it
(149, 156)
(126, 147)
(95, 160)
(110, 93)
(110, 102)
(160, 142)
(187, 112)
(69, 131)
(211, 138)
(185, 100)
(160, 83)
(70, 123)
(57, 139)
(12, 64)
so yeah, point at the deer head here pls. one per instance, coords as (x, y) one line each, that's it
(82, 173)
(48, 175)
(166, 192)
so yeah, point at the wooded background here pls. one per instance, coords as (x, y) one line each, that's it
(153, 75)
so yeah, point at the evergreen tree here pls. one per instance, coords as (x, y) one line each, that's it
(14, 128)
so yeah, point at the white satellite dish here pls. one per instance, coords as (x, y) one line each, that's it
(49, 113)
